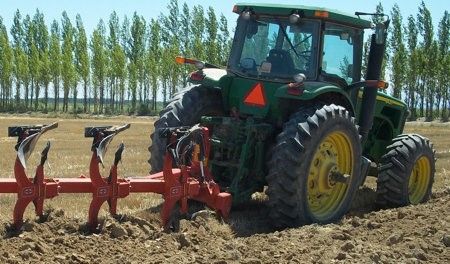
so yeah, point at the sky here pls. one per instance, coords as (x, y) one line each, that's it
(92, 10)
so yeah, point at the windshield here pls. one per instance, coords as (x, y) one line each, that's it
(274, 48)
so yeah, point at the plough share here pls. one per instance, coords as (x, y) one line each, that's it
(187, 150)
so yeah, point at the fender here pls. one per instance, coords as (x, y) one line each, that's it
(212, 77)
(313, 90)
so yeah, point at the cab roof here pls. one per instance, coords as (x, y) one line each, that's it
(304, 11)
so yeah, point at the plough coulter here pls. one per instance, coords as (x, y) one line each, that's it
(187, 151)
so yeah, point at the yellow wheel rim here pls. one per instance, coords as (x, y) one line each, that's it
(419, 180)
(333, 155)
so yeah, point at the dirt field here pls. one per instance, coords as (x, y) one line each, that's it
(412, 234)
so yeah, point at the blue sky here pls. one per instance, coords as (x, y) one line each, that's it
(92, 10)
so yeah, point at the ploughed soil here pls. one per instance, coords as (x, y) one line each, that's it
(412, 234)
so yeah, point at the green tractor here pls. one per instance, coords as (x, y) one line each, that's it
(291, 112)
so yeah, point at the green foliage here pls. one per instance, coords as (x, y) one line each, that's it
(82, 61)
(397, 47)
(127, 64)
(98, 64)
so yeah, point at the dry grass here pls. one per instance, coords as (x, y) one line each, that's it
(70, 154)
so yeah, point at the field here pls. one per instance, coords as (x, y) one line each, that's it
(404, 235)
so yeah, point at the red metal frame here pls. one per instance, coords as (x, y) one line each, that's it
(177, 185)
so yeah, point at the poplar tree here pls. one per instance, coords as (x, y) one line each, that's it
(137, 48)
(224, 41)
(20, 60)
(68, 72)
(154, 59)
(99, 58)
(425, 29)
(6, 67)
(398, 57)
(55, 62)
(212, 26)
(82, 62)
(443, 66)
(412, 69)
(185, 33)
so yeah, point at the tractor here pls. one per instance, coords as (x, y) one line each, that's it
(291, 115)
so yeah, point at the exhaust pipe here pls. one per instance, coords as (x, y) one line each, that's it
(375, 62)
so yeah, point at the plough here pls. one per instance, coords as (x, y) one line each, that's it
(185, 174)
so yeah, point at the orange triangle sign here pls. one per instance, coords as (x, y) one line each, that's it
(255, 96)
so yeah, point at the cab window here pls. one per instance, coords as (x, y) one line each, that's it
(338, 52)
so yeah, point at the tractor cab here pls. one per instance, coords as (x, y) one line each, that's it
(320, 44)
(292, 52)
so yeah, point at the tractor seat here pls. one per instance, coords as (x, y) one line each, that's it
(281, 61)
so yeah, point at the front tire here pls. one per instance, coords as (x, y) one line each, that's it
(315, 144)
(406, 172)
(185, 109)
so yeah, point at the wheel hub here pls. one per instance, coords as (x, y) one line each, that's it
(332, 160)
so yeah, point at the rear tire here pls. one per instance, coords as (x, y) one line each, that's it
(315, 142)
(406, 172)
(184, 109)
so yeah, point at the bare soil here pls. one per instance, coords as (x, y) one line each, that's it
(412, 234)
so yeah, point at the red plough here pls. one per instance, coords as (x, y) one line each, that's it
(188, 148)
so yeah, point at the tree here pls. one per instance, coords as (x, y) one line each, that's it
(6, 67)
(40, 35)
(98, 65)
(137, 49)
(82, 62)
(34, 66)
(211, 39)
(55, 61)
(412, 69)
(185, 30)
(224, 41)
(443, 45)
(45, 76)
(154, 59)
(115, 57)
(20, 61)
(68, 73)
(198, 29)
(397, 46)
(425, 29)
(118, 63)
(33, 59)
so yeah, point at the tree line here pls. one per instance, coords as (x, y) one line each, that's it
(418, 62)
(126, 64)
(121, 68)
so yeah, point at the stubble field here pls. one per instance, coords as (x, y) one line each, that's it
(408, 235)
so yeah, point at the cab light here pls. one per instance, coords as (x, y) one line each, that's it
(183, 60)
(378, 84)
(321, 14)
